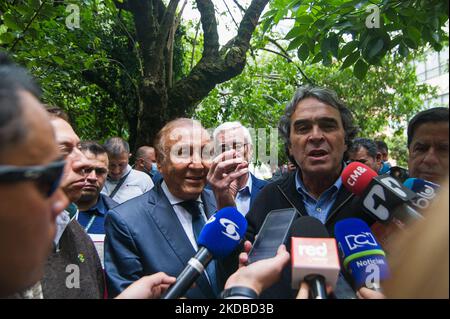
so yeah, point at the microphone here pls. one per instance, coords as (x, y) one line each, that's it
(361, 255)
(314, 256)
(219, 237)
(383, 197)
(425, 191)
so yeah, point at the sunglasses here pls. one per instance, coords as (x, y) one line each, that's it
(46, 177)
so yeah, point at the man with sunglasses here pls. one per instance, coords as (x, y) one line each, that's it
(30, 169)
(31, 196)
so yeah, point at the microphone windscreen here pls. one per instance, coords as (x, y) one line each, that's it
(223, 232)
(360, 251)
(356, 177)
(421, 186)
(309, 227)
(313, 252)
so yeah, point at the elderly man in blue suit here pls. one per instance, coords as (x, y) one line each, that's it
(157, 231)
(233, 135)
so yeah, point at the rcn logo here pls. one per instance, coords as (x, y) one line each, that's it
(230, 229)
(360, 240)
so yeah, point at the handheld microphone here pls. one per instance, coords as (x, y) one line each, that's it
(383, 197)
(425, 191)
(362, 256)
(218, 238)
(314, 256)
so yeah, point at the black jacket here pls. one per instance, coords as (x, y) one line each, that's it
(76, 259)
(282, 193)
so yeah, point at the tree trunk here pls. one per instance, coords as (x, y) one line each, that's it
(161, 102)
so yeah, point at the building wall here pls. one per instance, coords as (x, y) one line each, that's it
(434, 71)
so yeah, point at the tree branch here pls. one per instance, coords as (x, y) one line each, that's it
(229, 12)
(287, 57)
(249, 23)
(209, 24)
(165, 26)
(145, 24)
(210, 72)
(194, 44)
(28, 25)
(170, 43)
(239, 6)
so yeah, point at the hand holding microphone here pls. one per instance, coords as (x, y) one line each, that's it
(314, 258)
(362, 257)
(261, 274)
(218, 238)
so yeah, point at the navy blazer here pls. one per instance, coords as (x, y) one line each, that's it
(257, 185)
(144, 236)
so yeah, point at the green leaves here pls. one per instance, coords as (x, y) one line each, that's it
(348, 48)
(360, 69)
(303, 52)
(12, 22)
(339, 27)
(350, 59)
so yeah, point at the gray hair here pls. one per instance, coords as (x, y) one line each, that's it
(232, 126)
(324, 95)
(116, 146)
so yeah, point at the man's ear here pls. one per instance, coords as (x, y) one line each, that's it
(129, 155)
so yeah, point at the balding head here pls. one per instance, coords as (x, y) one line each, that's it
(145, 158)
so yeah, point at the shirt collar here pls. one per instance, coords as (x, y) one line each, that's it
(99, 207)
(248, 186)
(173, 200)
(304, 192)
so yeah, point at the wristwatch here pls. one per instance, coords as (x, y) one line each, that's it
(239, 292)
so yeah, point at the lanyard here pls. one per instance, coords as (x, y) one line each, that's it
(91, 221)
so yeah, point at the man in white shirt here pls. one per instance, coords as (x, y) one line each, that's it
(233, 135)
(123, 182)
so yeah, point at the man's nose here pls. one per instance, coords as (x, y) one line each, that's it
(114, 170)
(196, 161)
(431, 157)
(316, 134)
(92, 176)
(80, 162)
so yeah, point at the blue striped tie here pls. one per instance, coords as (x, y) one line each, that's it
(194, 208)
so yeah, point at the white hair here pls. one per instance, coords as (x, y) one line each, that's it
(232, 126)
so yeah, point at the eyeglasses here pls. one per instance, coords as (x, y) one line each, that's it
(235, 146)
(46, 177)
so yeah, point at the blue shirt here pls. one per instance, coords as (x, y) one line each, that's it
(385, 168)
(95, 216)
(318, 208)
(243, 197)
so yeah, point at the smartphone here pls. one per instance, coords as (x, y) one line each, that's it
(272, 234)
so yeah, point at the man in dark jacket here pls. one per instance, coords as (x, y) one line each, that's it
(317, 129)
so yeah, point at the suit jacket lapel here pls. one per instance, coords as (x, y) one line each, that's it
(256, 187)
(167, 221)
(209, 203)
(165, 217)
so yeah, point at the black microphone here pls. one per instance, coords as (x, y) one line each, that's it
(314, 256)
(219, 237)
(382, 196)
